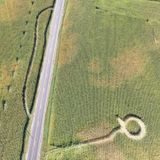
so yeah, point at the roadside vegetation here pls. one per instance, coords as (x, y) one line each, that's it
(108, 63)
(17, 22)
(85, 153)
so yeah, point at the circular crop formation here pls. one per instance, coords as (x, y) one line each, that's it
(133, 127)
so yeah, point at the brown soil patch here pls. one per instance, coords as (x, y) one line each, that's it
(125, 67)
(94, 132)
(68, 43)
(99, 81)
(94, 65)
(67, 24)
(5, 76)
(15, 66)
(51, 127)
(129, 65)
(137, 152)
(9, 9)
(109, 152)
(69, 39)
(68, 49)
(74, 4)
(154, 153)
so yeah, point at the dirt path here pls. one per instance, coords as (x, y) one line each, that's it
(121, 129)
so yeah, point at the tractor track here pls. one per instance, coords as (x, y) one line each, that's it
(109, 137)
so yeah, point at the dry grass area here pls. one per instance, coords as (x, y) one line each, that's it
(94, 132)
(69, 40)
(5, 78)
(109, 152)
(155, 153)
(10, 9)
(7, 73)
(126, 66)
(94, 65)
(68, 50)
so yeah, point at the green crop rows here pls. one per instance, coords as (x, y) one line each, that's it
(108, 64)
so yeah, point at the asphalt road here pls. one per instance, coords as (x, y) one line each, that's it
(37, 126)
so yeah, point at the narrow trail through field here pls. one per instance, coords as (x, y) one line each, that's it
(24, 90)
(122, 129)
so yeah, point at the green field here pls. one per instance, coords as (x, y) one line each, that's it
(108, 63)
(17, 23)
(73, 154)
(1, 1)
